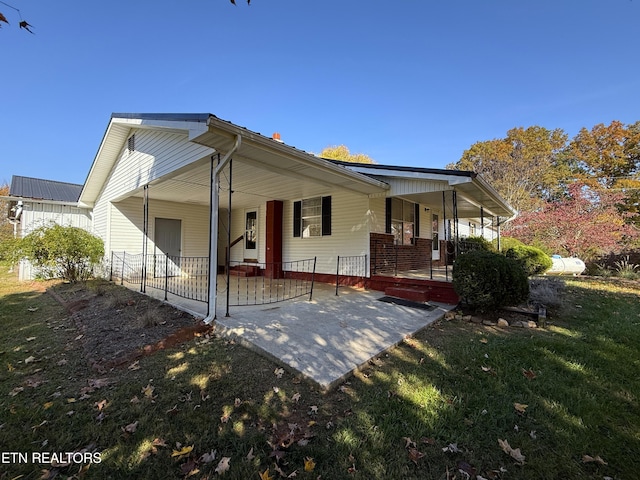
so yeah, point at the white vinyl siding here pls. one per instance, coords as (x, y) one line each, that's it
(126, 232)
(349, 232)
(157, 154)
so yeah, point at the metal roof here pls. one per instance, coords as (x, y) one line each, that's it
(39, 189)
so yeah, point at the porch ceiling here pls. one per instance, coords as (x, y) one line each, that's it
(252, 184)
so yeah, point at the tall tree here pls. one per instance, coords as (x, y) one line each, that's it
(525, 167)
(608, 156)
(341, 152)
(586, 223)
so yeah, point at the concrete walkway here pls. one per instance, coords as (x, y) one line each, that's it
(327, 338)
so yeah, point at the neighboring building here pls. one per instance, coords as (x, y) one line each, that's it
(34, 202)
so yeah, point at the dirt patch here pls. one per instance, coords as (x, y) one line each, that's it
(117, 325)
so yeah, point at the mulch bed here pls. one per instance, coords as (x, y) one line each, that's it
(117, 325)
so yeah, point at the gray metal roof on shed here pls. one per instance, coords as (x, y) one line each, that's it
(39, 189)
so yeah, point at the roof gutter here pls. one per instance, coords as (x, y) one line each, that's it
(213, 228)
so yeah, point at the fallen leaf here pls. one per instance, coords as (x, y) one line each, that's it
(101, 405)
(237, 402)
(225, 418)
(296, 397)
(513, 453)
(183, 451)
(48, 405)
(159, 442)
(135, 399)
(520, 408)
(250, 455)
(313, 410)
(135, 365)
(131, 428)
(415, 455)
(408, 442)
(530, 374)
(148, 391)
(10, 367)
(16, 391)
(309, 464)
(278, 372)
(597, 459)
(484, 340)
(265, 475)
(209, 457)
(223, 465)
(486, 369)
(30, 339)
(451, 448)
(30, 359)
(32, 309)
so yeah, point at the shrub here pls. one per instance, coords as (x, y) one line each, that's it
(476, 243)
(487, 280)
(506, 243)
(533, 260)
(69, 253)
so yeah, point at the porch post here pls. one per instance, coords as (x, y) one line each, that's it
(498, 232)
(214, 203)
(454, 197)
(228, 259)
(482, 221)
(444, 235)
(145, 237)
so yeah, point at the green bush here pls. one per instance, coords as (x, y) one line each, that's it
(70, 253)
(506, 243)
(488, 280)
(476, 243)
(533, 260)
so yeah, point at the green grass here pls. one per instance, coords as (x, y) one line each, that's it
(454, 384)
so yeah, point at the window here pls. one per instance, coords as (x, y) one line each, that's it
(312, 217)
(403, 221)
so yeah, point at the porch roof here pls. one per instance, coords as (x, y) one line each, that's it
(425, 186)
(256, 151)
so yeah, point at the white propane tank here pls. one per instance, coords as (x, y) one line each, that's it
(566, 266)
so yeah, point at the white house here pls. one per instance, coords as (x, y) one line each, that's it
(188, 187)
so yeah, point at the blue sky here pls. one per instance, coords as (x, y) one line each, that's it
(408, 82)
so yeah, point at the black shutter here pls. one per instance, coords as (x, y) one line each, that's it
(387, 216)
(326, 216)
(297, 219)
(416, 221)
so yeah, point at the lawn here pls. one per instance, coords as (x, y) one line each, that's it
(457, 400)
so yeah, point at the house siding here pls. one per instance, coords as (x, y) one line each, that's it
(350, 225)
(156, 154)
(127, 226)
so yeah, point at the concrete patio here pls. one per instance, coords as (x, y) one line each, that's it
(325, 339)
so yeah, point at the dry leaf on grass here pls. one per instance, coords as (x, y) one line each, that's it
(513, 453)
(520, 408)
(597, 459)
(223, 465)
(183, 451)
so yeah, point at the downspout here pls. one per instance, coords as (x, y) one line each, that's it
(213, 229)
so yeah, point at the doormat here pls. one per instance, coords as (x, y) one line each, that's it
(407, 303)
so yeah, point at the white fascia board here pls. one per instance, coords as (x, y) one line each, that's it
(381, 172)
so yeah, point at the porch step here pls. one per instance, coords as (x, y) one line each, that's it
(245, 271)
(414, 294)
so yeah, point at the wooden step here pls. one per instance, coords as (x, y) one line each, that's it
(414, 294)
(245, 271)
